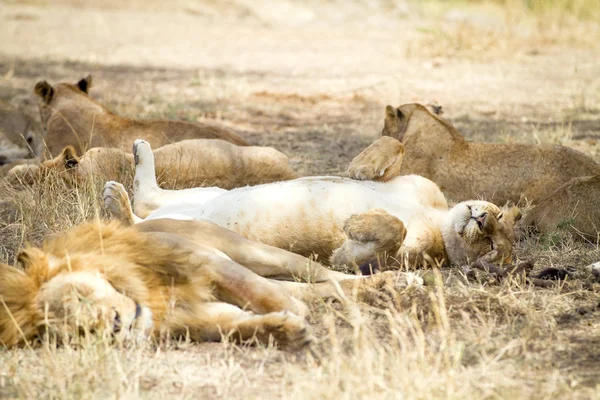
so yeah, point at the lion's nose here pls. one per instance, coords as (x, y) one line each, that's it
(481, 220)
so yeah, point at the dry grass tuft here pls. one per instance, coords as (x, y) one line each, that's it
(48, 206)
(504, 28)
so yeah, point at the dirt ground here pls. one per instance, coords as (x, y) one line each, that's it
(312, 79)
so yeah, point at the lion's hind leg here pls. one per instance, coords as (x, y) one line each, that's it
(238, 285)
(117, 202)
(218, 296)
(249, 306)
(370, 235)
(381, 161)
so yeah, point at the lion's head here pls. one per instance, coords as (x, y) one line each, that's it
(475, 228)
(102, 163)
(20, 135)
(68, 294)
(51, 98)
(63, 107)
(410, 121)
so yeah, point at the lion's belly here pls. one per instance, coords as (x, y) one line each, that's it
(305, 215)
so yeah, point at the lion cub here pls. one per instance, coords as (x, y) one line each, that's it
(498, 172)
(71, 117)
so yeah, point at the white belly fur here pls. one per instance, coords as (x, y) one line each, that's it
(293, 209)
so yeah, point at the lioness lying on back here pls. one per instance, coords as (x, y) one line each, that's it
(498, 172)
(72, 118)
(185, 164)
(180, 278)
(342, 220)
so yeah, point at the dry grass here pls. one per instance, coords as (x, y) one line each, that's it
(506, 28)
(510, 70)
(452, 339)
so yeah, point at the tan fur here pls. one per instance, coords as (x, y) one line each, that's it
(181, 165)
(385, 232)
(338, 219)
(424, 241)
(19, 171)
(498, 172)
(381, 161)
(71, 117)
(20, 135)
(573, 207)
(188, 278)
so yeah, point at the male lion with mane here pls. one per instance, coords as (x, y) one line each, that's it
(164, 277)
(344, 221)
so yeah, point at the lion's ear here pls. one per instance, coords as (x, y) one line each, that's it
(85, 84)
(44, 90)
(34, 262)
(69, 157)
(435, 108)
(390, 111)
(511, 215)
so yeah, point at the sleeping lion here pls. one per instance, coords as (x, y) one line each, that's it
(343, 221)
(165, 277)
(184, 164)
(500, 172)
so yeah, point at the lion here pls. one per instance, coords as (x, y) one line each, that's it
(185, 164)
(573, 208)
(343, 221)
(165, 278)
(70, 117)
(498, 172)
(20, 135)
(20, 170)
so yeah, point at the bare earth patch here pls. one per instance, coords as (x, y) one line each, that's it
(312, 79)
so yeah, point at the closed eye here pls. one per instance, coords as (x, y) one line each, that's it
(500, 216)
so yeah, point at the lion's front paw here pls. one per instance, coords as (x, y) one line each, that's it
(371, 235)
(287, 329)
(378, 226)
(381, 161)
